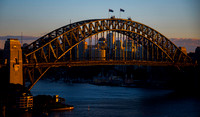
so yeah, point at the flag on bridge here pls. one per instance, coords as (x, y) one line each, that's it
(110, 10)
(122, 10)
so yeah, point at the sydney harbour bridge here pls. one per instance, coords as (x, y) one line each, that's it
(111, 41)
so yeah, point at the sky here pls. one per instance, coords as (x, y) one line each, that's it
(172, 18)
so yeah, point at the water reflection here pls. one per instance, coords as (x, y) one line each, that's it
(118, 101)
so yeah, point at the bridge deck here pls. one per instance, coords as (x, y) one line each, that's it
(105, 62)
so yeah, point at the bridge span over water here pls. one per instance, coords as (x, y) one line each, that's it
(100, 42)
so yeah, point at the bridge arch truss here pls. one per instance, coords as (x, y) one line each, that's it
(56, 46)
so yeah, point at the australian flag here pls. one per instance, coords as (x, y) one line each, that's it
(122, 10)
(110, 10)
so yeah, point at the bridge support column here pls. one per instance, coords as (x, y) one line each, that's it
(13, 59)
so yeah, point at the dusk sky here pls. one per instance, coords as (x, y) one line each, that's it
(173, 18)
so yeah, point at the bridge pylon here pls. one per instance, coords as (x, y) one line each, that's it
(13, 59)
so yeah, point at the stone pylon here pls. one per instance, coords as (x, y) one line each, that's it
(13, 59)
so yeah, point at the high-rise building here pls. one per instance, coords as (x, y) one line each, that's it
(110, 41)
(101, 54)
(129, 48)
(197, 50)
(102, 43)
(82, 50)
(118, 44)
(119, 49)
(102, 46)
(110, 45)
(92, 54)
(197, 55)
(129, 45)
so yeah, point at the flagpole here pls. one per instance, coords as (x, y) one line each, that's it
(108, 14)
(21, 39)
(109, 10)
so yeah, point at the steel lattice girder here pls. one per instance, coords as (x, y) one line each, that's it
(53, 46)
(61, 40)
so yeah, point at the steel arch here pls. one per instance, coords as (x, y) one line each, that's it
(54, 45)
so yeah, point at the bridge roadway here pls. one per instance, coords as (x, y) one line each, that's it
(107, 62)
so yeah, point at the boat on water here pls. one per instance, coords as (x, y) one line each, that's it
(60, 105)
(46, 103)
(62, 108)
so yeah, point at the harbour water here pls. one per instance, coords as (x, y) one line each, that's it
(107, 101)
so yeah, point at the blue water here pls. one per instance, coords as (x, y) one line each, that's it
(106, 101)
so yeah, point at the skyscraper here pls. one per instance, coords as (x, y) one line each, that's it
(119, 50)
(110, 45)
(82, 50)
(129, 48)
(110, 41)
(102, 49)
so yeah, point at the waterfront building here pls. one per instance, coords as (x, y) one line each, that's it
(24, 102)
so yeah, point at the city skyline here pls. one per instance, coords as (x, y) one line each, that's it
(174, 19)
